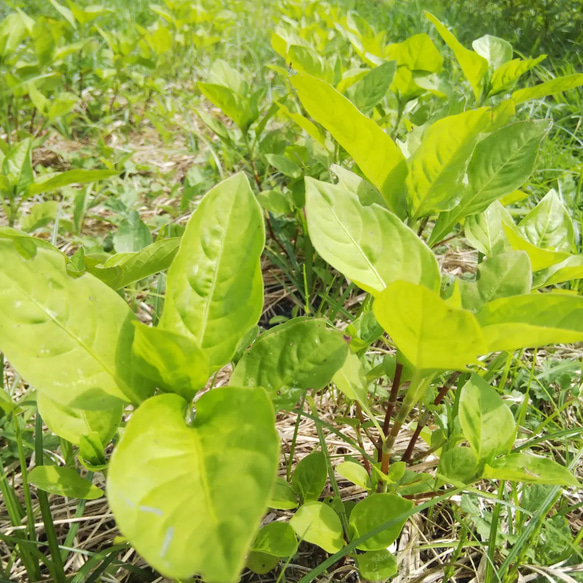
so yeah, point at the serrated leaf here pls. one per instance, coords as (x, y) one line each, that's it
(214, 288)
(430, 333)
(487, 422)
(169, 482)
(70, 338)
(291, 358)
(355, 239)
(376, 154)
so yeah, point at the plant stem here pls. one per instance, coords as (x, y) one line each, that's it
(359, 437)
(392, 402)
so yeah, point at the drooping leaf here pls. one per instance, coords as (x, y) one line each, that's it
(318, 523)
(495, 50)
(372, 512)
(430, 333)
(472, 64)
(500, 164)
(124, 268)
(63, 482)
(376, 154)
(70, 338)
(174, 362)
(539, 258)
(549, 225)
(506, 274)
(208, 484)
(291, 358)
(531, 320)
(368, 244)
(309, 477)
(552, 87)
(309, 127)
(71, 424)
(214, 289)
(487, 422)
(437, 168)
(529, 469)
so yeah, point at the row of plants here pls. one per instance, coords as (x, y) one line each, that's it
(370, 161)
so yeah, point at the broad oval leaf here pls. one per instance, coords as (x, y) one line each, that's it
(458, 464)
(63, 482)
(310, 476)
(417, 53)
(377, 565)
(291, 358)
(539, 258)
(485, 232)
(487, 422)
(430, 333)
(531, 320)
(437, 168)
(283, 496)
(368, 244)
(374, 511)
(500, 164)
(174, 362)
(169, 483)
(373, 150)
(318, 523)
(71, 424)
(530, 469)
(70, 338)
(354, 473)
(277, 539)
(214, 289)
(372, 88)
(495, 50)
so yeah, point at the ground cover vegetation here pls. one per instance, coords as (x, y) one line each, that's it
(290, 292)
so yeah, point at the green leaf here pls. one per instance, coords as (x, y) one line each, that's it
(372, 512)
(552, 87)
(506, 75)
(52, 182)
(174, 362)
(284, 165)
(307, 60)
(63, 482)
(318, 523)
(372, 88)
(379, 158)
(473, 65)
(283, 496)
(500, 164)
(521, 467)
(539, 258)
(531, 320)
(214, 289)
(549, 225)
(277, 539)
(377, 565)
(310, 128)
(69, 338)
(568, 270)
(458, 464)
(132, 235)
(71, 424)
(417, 53)
(430, 333)
(495, 50)
(208, 483)
(487, 422)
(507, 274)
(261, 563)
(17, 165)
(124, 268)
(291, 358)
(40, 215)
(310, 476)
(239, 108)
(365, 191)
(438, 166)
(485, 232)
(354, 239)
(354, 473)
